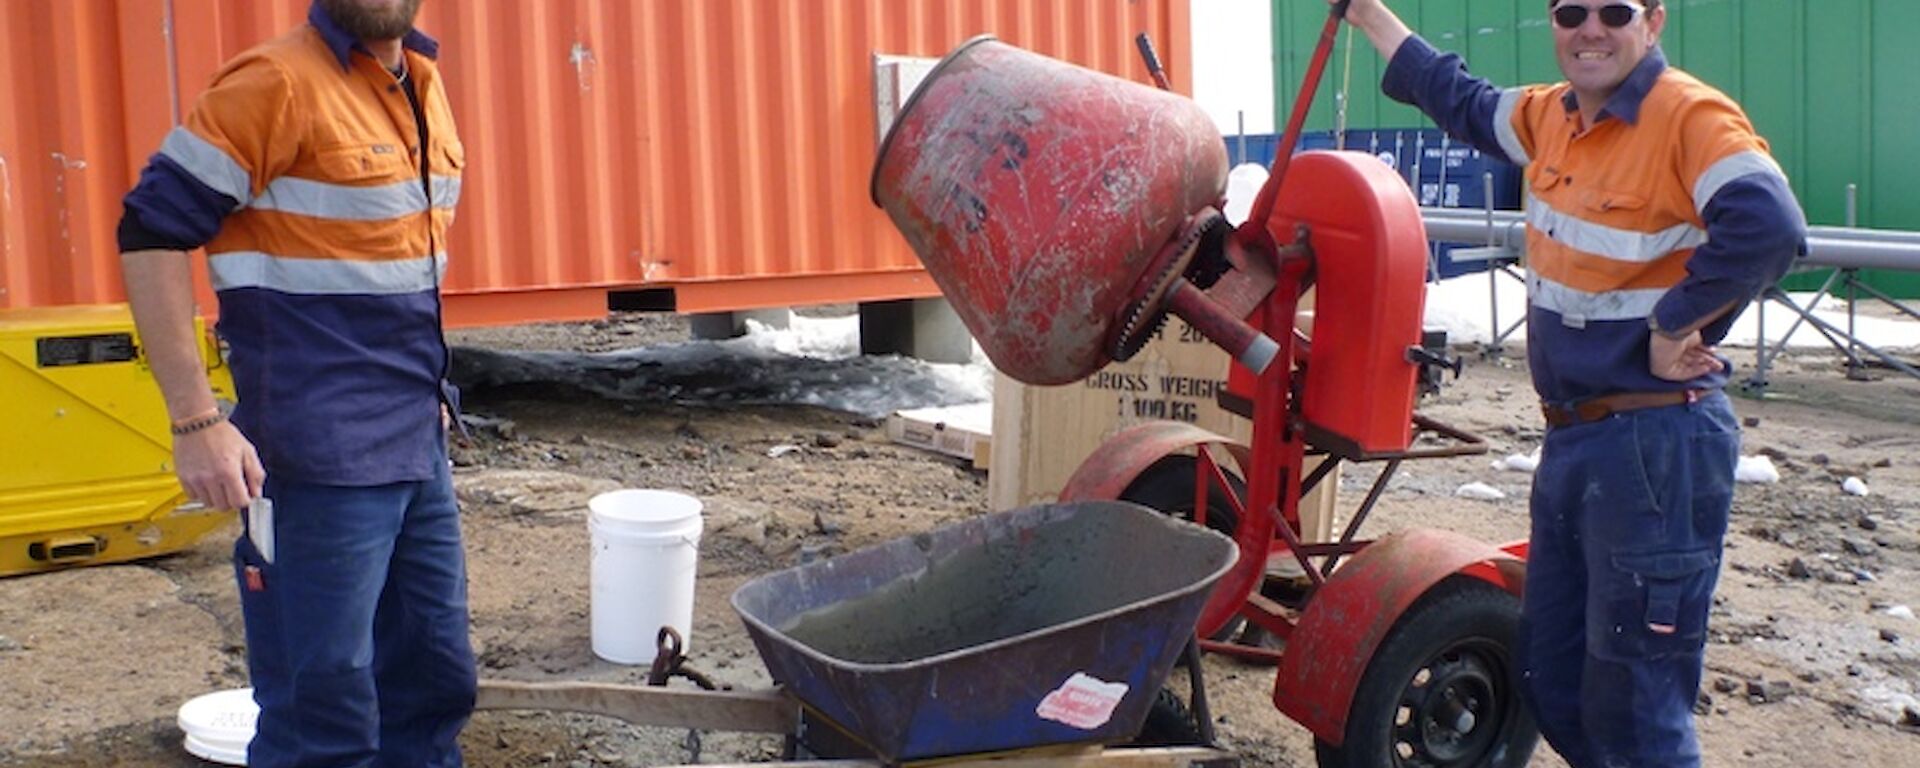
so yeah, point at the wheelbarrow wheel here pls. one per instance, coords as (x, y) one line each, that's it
(1440, 692)
(1169, 723)
(1167, 485)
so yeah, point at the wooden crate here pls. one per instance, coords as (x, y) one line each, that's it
(1041, 434)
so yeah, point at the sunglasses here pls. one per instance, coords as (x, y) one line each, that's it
(1616, 15)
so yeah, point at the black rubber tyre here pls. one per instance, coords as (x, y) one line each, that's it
(1167, 485)
(1441, 692)
(1169, 723)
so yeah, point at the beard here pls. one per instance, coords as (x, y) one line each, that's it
(389, 23)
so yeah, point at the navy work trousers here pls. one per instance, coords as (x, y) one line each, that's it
(357, 631)
(1629, 519)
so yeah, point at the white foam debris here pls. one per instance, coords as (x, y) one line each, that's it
(1756, 469)
(1855, 486)
(1519, 462)
(1480, 491)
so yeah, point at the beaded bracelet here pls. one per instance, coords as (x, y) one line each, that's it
(195, 425)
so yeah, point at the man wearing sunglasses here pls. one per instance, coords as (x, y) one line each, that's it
(1654, 214)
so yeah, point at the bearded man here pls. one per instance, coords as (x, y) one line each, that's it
(320, 171)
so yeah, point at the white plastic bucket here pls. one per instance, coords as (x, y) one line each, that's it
(219, 725)
(646, 546)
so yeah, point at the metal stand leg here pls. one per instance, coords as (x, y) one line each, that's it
(1757, 383)
(1841, 339)
(1854, 371)
(1197, 683)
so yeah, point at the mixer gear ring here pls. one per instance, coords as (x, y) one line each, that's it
(1145, 314)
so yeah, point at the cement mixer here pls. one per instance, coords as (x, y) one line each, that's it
(1066, 213)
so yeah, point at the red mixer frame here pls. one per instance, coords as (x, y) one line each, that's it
(1354, 233)
(1065, 213)
(1345, 223)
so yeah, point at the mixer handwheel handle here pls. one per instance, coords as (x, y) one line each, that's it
(1152, 59)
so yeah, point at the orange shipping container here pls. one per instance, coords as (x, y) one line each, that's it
(688, 155)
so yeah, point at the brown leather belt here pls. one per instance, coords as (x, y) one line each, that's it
(1597, 408)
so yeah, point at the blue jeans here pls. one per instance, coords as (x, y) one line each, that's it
(357, 632)
(1629, 518)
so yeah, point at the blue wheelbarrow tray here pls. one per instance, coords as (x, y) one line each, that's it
(1050, 624)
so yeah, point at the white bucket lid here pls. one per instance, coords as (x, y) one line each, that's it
(219, 725)
(646, 512)
(224, 754)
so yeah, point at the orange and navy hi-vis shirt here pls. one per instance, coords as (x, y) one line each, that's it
(322, 190)
(1667, 209)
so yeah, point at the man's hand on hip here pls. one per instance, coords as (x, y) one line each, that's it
(218, 467)
(1682, 359)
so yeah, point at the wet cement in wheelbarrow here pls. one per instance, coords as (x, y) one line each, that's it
(1042, 577)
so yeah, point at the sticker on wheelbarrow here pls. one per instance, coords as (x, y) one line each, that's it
(1082, 702)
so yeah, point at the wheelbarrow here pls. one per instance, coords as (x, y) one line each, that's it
(1031, 632)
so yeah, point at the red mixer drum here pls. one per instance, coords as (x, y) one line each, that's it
(1037, 192)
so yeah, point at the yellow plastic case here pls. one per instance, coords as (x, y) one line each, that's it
(86, 462)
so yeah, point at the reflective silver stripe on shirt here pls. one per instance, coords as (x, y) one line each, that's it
(338, 201)
(1728, 169)
(1503, 126)
(1578, 306)
(208, 164)
(1610, 242)
(253, 269)
(446, 191)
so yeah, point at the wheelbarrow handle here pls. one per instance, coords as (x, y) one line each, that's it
(741, 711)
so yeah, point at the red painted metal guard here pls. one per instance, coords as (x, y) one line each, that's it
(1370, 267)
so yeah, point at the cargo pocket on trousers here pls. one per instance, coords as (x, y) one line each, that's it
(258, 610)
(1664, 589)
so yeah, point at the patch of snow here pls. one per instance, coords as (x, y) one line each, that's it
(814, 361)
(1243, 185)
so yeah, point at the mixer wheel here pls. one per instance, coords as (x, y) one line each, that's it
(1440, 692)
(1167, 485)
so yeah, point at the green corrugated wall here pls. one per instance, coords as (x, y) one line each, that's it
(1834, 85)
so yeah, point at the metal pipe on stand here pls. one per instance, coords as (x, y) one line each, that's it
(1838, 247)
(1846, 249)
